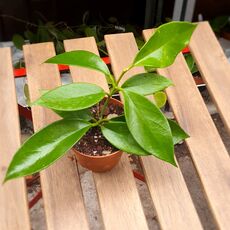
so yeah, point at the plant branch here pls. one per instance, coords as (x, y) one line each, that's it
(123, 73)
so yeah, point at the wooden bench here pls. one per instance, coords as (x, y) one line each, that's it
(117, 193)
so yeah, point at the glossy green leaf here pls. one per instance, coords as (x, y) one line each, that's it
(71, 97)
(18, 41)
(160, 99)
(146, 83)
(79, 114)
(118, 134)
(177, 132)
(165, 44)
(80, 58)
(45, 147)
(148, 126)
(120, 118)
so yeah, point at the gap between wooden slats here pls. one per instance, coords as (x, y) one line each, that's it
(13, 200)
(166, 184)
(214, 67)
(61, 188)
(118, 196)
(206, 147)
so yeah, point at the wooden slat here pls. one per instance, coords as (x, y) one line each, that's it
(214, 67)
(13, 201)
(118, 196)
(168, 190)
(206, 147)
(60, 183)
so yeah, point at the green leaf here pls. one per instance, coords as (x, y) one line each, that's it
(120, 118)
(219, 23)
(190, 61)
(165, 44)
(148, 126)
(194, 69)
(71, 97)
(43, 34)
(27, 95)
(160, 99)
(30, 36)
(118, 134)
(150, 69)
(78, 114)
(45, 147)
(177, 132)
(80, 58)
(91, 32)
(146, 83)
(18, 41)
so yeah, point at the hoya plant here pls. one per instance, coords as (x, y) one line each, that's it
(142, 130)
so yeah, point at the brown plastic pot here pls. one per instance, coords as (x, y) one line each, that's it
(100, 163)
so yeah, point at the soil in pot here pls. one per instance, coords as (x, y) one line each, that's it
(93, 151)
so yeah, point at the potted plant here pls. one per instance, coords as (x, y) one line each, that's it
(140, 129)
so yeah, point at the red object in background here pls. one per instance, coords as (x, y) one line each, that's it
(185, 50)
(22, 71)
(35, 199)
(25, 112)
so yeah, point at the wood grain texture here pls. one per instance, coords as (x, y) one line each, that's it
(214, 67)
(117, 193)
(61, 188)
(206, 147)
(168, 190)
(13, 200)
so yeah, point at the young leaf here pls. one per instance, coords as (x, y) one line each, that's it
(160, 99)
(71, 97)
(118, 134)
(78, 114)
(165, 44)
(146, 83)
(148, 126)
(80, 58)
(45, 147)
(177, 132)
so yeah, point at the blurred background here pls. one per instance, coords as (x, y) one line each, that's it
(141, 14)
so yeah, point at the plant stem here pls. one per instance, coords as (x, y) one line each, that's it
(123, 73)
(113, 90)
(104, 106)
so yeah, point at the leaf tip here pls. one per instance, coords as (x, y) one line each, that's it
(7, 177)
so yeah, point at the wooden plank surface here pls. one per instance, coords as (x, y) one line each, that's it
(166, 184)
(13, 199)
(214, 67)
(117, 193)
(60, 183)
(206, 147)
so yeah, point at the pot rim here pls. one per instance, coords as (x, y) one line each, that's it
(89, 156)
